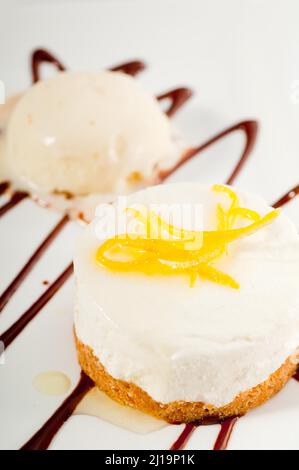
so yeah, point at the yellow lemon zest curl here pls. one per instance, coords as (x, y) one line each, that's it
(165, 249)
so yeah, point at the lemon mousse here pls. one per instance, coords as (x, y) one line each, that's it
(189, 322)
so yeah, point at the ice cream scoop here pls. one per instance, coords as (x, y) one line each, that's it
(87, 132)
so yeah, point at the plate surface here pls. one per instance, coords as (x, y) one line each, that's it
(241, 59)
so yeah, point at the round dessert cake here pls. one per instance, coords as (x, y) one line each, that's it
(192, 317)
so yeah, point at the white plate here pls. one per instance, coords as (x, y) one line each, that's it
(242, 60)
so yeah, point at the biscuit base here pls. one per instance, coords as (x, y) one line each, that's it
(181, 411)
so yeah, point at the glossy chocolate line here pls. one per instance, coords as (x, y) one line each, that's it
(250, 129)
(4, 187)
(224, 434)
(43, 437)
(16, 197)
(287, 197)
(191, 427)
(12, 332)
(40, 56)
(130, 68)
(177, 97)
(296, 375)
(183, 437)
(21, 276)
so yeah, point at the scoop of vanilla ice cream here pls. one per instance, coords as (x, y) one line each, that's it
(86, 133)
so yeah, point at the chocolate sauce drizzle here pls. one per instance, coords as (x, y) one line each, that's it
(177, 97)
(287, 197)
(130, 68)
(11, 333)
(43, 437)
(15, 199)
(250, 129)
(4, 187)
(296, 375)
(17, 281)
(183, 437)
(224, 434)
(222, 437)
(40, 56)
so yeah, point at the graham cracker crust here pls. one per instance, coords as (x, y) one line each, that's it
(180, 411)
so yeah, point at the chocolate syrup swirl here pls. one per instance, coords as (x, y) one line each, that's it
(249, 128)
(130, 68)
(4, 187)
(287, 197)
(20, 277)
(221, 440)
(224, 434)
(40, 56)
(177, 97)
(183, 437)
(15, 199)
(43, 437)
(11, 333)
(296, 375)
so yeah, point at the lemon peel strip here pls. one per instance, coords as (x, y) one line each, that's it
(169, 250)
